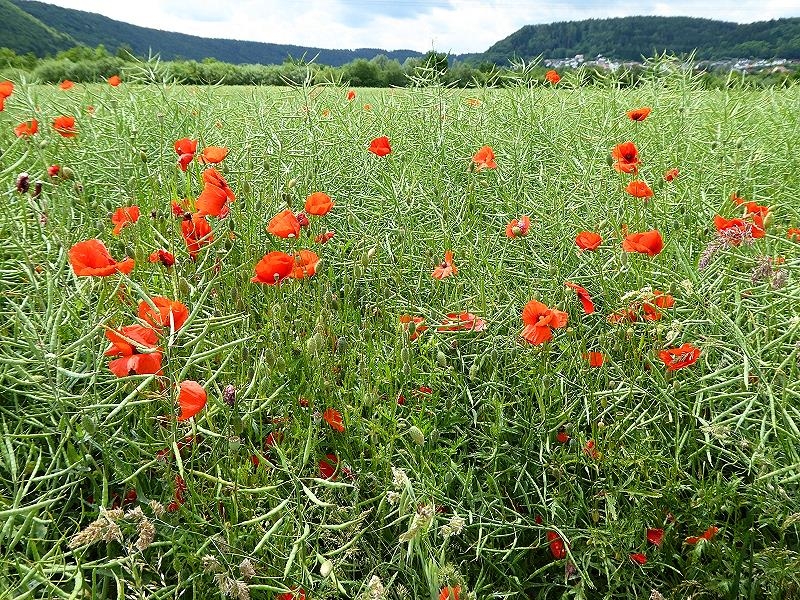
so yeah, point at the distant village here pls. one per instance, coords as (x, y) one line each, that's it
(742, 65)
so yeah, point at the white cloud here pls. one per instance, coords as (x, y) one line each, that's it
(446, 25)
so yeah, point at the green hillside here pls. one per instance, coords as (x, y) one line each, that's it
(25, 33)
(92, 30)
(630, 38)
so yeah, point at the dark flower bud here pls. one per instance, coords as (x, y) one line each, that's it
(23, 183)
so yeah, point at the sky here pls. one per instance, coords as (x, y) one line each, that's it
(455, 26)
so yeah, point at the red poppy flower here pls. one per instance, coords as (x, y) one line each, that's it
(793, 234)
(552, 76)
(588, 240)
(213, 154)
(90, 258)
(707, 535)
(484, 159)
(351, 94)
(446, 268)
(590, 450)
(626, 157)
(6, 89)
(213, 199)
(380, 146)
(646, 242)
(319, 204)
(736, 199)
(136, 347)
(450, 593)
(333, 418)
(295, 594)
(53, 170)
(651, 305)
(557, 546)
(185, 146)
(26, 128)
(273, 268)
(65, 126)
(538, 320)
(639, 189)
(583, 296)
(184, 160)
(738, 230)
(196, 233)
(638, 558)
(324, 238)
(639, 114)
(114, 80)
(464, 321)
(518, 227)
(191, 399)
(169, 313)
(124, 216)
(305, 264)
(284, 224)
(595, 359)
(165, 258)
(671, 174)
(751, 208)
(327, 467)
(655, 536)
(66, 84)
(562, 437)
(418, 327)
(678, 358)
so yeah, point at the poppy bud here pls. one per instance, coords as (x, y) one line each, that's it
(371, 252)
(291, 183)
(441, 358)
(143, 156)
(474, 372)
(405, 355)
(66, 173)
(44, 143)
(768, 219)
(326, 568)
(78, 187)
(358, 271)
(341, 345)
(416, 435)
(334, 301)
(365, 260)
(412, 328)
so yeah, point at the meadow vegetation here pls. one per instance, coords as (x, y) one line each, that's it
(364, 401)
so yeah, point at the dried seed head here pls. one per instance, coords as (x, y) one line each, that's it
(23, 183)
(247, 569)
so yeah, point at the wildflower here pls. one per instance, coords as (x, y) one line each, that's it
(229, 398)
(639, 189)
(333, 418)
(213, 200)
(538, 320)
(552, 76)
(53, 170)
(707, 535)
(656, 300)
(305, 264)
(368, 107)
(26, 128)
(114, 80)
(65, 126)
(123, 217)
(327, 467)
(284, 224)
(639, 114)
(66, 84)
(737, 199)
(588, 240)
(196, 233)
(595, 359)
(185, 149)
(646, 242)
(324, 238)
(638, 558)
(273, 268)
(590, 450)
(450, 593)
(90, 258)
(736, 231)
(213, 155)
(671, 175)
(626, 157)
(562, 437)
(464, 321)
(136, 347)
(296, 593)
(751, 208)
(678, 358)
(319, 204)
(414, 326)
(191, 399)
(793, 234)
(6, 89)
(583, 296)
(518, 227)
(167, 313)
(165, 258)
(446, 268)
(23, 183)
(351, 95)
(484, 159)
(380, 146)
(557, 547)
(420, 523)
(655, 537)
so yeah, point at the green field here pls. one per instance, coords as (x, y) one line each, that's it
(469, 458)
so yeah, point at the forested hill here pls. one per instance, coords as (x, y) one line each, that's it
(630, 38)
(61, 28)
